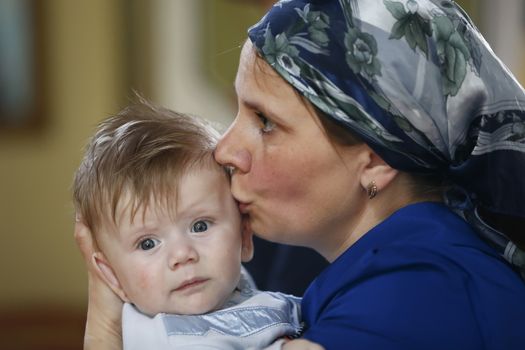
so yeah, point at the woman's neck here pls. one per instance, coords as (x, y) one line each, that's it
(374, 211)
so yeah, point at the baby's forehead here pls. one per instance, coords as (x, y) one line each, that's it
(199, 184)
(136, 208)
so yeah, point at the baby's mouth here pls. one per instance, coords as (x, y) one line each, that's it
(193, 282)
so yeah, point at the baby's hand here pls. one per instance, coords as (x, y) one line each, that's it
(301, 344)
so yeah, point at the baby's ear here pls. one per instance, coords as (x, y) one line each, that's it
(106, 273)
(247, 240)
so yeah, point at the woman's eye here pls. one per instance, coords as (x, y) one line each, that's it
(148, 243)
(267, 125)
(199, 226)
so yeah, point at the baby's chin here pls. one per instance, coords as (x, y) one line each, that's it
(187, 309)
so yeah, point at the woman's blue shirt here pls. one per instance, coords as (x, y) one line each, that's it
(421, 279)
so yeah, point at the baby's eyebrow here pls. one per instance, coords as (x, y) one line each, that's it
(138, 229)
(195, 208)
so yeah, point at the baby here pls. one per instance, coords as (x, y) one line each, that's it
(171, 238)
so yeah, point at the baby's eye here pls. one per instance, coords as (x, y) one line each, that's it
(199, 226)
(148, 243)
(267, 125)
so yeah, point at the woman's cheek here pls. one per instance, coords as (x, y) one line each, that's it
(286, 186)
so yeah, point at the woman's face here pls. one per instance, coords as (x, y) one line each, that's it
(293, 183)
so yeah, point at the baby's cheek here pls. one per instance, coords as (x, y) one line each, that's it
(145, 280)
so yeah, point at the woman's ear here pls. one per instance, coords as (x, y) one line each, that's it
(247, 241)
(378, 171)
(106, 273)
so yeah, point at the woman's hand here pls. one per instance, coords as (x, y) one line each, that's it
(301, 344)
(103, 326)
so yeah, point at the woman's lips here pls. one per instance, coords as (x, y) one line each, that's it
(194, 282)
(243, 207)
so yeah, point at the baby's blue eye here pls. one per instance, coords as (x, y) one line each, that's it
(199, 226)
(148, 244)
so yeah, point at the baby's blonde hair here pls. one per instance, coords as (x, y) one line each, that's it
(142, 152)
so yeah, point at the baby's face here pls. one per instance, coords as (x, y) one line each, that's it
(187, 262)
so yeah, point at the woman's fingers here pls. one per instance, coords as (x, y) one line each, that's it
(99, 293)
(84, 240)
(103, 326)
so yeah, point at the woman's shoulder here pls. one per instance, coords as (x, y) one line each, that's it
(427, 266)
(421, 242)
(419, 289)
(423, 247)
(427, 231)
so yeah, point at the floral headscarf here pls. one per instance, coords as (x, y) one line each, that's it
(415, 80)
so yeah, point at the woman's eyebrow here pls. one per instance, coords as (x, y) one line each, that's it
(253, 105)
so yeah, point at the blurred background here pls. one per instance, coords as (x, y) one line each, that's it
(67, 64)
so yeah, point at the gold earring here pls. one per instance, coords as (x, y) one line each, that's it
(371, 189)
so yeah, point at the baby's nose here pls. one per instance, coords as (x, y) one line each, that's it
(182, 254)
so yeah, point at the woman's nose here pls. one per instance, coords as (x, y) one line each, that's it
(232, 151)
(183, 253)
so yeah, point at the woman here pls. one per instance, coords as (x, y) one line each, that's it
(356, 118)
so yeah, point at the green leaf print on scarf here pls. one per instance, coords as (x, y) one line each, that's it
(410, 25)
(453, 54)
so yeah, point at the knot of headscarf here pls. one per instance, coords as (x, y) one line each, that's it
(416, 81)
